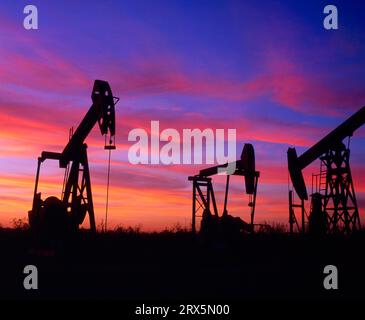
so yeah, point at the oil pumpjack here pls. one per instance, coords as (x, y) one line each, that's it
(204, 199)
(68, 213)
(334, 207)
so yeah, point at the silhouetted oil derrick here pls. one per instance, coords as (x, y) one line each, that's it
(204, 203)
(58, 215)
(334, 185)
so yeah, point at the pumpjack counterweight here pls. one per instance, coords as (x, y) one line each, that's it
(69, 212)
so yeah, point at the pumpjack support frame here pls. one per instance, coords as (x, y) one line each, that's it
(339, 201)
(203, 198)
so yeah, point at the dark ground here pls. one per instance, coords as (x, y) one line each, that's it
(172, 266)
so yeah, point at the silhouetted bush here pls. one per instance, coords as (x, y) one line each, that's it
(129, 230)
(20, 224)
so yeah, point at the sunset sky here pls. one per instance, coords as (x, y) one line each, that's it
(265, 68)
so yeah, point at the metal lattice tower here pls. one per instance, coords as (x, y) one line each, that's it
(339, 199)
(203, 198)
